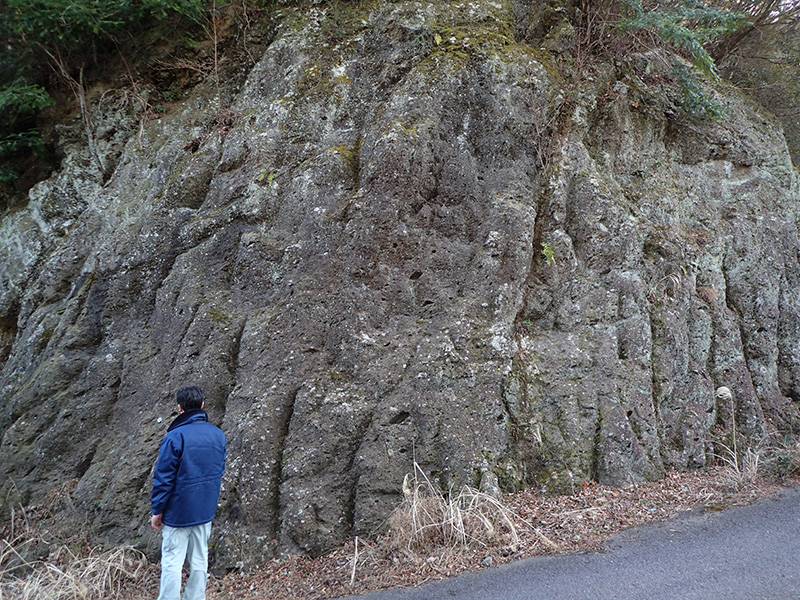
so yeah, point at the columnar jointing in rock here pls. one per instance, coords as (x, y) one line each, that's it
(400, 247)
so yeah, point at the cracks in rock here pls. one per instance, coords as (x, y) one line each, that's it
(90, 311)
(597, 452)
(730, 304)
(787, 387)
(82, 467)
(518, 372)
(358, 438)
(729, 301)
(656, 386)
(400, 417)
(542, 206)
(236, 345)
(8, 333)
(232, 365)
(284, 420)
(193, 310)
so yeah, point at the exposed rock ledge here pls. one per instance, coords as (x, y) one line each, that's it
(350, 260)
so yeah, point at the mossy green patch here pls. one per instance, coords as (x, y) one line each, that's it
(218, 316)
(350, 158)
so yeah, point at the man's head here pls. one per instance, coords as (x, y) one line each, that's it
(190, 397)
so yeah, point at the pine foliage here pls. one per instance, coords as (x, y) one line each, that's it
(688, 26)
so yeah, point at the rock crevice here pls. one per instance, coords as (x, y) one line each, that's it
(402, 244)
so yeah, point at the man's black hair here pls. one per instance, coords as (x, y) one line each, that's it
(190, 397)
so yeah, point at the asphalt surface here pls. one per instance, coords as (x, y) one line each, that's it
(741, 553)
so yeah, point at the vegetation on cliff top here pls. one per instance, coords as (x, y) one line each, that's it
(56, 45)
(52, 46)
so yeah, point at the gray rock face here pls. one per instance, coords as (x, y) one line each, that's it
(403, 242)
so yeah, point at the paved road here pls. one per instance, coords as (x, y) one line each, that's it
(742, 553)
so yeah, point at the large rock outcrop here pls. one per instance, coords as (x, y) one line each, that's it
(403, 240)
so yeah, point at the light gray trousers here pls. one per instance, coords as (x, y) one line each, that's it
(179, 544)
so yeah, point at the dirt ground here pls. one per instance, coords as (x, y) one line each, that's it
(581, 521)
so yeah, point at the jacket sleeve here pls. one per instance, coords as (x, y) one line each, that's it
(165, 474)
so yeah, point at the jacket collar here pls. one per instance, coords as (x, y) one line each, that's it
(189, 416)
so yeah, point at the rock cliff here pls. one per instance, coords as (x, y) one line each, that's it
(404, 238)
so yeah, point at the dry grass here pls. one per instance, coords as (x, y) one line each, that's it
(740, 471)
(65, 574)
(429, 520)
(432, 535)
(425, 542)
(742, 468)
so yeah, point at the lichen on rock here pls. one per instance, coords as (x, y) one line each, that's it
(350, 260)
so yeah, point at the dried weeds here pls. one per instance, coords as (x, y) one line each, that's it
(431, 536)
(429, 519)
(543, 525)
(66, 576)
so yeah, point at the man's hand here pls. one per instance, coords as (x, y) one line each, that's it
(155, 521)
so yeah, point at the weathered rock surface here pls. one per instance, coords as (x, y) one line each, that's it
(402, 241)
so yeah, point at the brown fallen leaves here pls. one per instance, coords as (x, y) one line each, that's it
(546, 525)
(542, 525)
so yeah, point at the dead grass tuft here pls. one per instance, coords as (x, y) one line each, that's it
(740, 472)
(63, 574)
(67, 577)
(410, 555)
(429, 520)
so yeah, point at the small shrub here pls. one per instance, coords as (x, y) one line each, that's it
(782, 457)
(611, 29)
(73, 24)
(19, 100)
(19, 104)
(548, 253)
(64, 37)
(690, 27)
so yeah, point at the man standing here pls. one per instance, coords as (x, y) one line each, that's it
(186, 484)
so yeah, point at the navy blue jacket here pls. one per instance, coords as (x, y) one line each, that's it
(188, 473)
